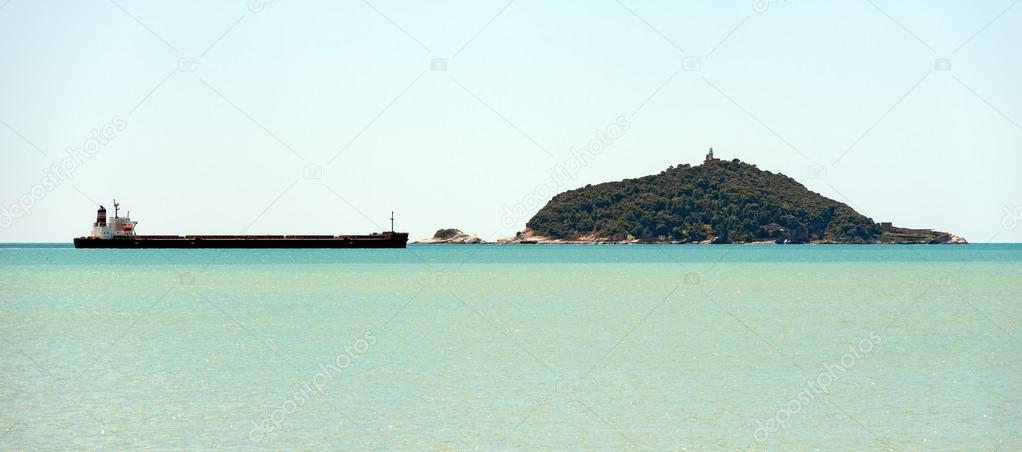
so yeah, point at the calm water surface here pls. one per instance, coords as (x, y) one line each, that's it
(513, 347)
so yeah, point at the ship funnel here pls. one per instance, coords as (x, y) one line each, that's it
(101, 216)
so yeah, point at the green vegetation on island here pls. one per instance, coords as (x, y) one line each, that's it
(445, 234)
(719, 202)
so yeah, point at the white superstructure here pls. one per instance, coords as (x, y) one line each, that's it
(117, 227)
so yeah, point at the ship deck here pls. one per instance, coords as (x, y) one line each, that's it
(379, 240)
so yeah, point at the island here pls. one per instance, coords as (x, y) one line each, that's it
(719, 201)
(451, 236)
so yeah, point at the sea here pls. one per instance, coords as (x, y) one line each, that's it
(513, 347)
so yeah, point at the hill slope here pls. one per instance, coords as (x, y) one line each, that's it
(719, 201)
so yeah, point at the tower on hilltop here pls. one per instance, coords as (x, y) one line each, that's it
(709, 156)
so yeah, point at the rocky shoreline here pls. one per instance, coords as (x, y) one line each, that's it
(890, 236)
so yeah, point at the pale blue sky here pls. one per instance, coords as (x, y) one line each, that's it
(229, 109)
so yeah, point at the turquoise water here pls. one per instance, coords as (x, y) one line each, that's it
(513, 347)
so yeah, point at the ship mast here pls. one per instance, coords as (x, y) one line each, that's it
(116, 208)
(391, 221)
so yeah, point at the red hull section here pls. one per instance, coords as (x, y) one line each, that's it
(381, 240)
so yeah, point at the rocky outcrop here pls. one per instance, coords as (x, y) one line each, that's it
(451, 236)
(956, 240)
(896, 235)
(527, 237)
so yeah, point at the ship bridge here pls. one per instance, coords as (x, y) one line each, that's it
(117, 227)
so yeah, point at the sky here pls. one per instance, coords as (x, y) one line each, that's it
(317, 117)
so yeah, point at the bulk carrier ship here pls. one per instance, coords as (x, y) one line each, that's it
(120, 233)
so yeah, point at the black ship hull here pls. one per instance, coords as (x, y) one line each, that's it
(382, 240)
